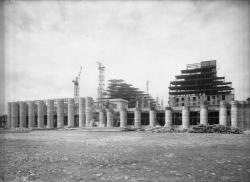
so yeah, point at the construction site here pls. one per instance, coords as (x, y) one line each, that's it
(196, 96)
(127, 135)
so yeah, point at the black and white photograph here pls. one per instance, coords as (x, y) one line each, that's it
(125, 91)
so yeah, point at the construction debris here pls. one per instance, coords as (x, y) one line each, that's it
(216, 128)
(160, 129)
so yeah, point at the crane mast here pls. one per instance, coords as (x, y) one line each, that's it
(76, 84)
(101, 83)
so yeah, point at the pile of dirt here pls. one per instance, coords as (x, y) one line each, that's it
(20, 130)
(216, 128)
(161, 129)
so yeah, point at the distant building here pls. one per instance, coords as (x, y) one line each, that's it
(199, 83)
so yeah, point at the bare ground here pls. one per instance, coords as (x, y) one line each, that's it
(77, 155)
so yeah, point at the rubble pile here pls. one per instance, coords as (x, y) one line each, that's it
(20, 130)
(163, 129)
(216, 128)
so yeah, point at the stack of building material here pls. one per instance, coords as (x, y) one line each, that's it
(160, 129)
(214, 129)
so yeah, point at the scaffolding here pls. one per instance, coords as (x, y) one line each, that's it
(200, 79)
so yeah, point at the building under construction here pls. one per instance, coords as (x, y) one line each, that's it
(199, 83)
(197, 96)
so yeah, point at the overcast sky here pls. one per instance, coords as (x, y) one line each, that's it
(46, 42)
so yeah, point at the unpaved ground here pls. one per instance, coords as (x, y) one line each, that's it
(123, 156)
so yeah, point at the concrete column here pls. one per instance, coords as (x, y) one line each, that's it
(203, 114)
(110, 119)
(82, 112)
(168, 117)
(50, 113)
(14, 114)
(31, 114)
(8, 124)
(60, 113)
(234, 114)
(247, 116)
(22, 111)
(71, 112)
(152, 118)
(123, 118)
(241, 115)
(137, 118)
(185, 117)
(40, 114)
(89, 110)
(102, 118)
(223, 113)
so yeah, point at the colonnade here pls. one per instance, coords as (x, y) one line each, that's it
(17, 112)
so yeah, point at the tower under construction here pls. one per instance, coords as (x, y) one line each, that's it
(199, 83)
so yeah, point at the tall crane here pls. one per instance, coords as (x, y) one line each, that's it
(76, 84)
(101, 82)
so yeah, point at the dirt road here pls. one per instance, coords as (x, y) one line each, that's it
(63, 155)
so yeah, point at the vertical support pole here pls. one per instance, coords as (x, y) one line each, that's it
(22, 111)
(31, 114)
(152, 118)
(50, 113)
(234, 114)
(110, 119)
(247, 116)
(40, 114)
(168, 117)
(60, 113)
(185, 117)
(82, 112)
(14, 114)
(203, 114)
(223, 113)
(137, 118)
(123, 118)
(8, 124)
(89, 110)
(71, 112)
(102, 118)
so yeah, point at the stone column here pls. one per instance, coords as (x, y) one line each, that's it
(123, 118)
(185, 117)
(241, 115)
(168, 117)
(14, 114)
(247, 116)
(22, 110)
(234, 114)
(8, 124)
(152, 118)
(102, 118)
(89, 110)
(137, 118)
(31, 114)
(60, 113)
(82, 112)
(40, 114)
(110, 119)
(71, 112)
(50, 113)
(223, 113)
(203, 114)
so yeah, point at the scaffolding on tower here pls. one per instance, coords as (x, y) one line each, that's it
(101, 84)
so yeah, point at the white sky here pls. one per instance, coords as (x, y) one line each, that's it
(46, 42)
